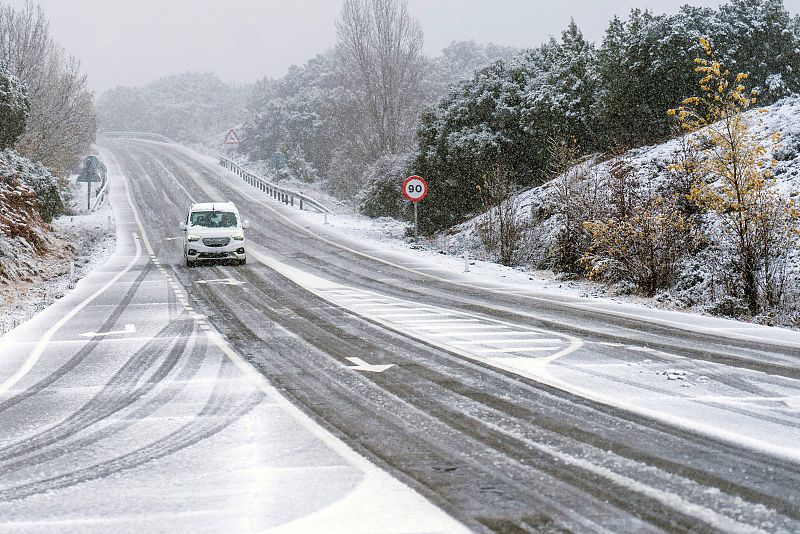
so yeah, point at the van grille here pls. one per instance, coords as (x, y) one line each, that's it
(216, 241)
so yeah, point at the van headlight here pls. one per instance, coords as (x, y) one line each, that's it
(238, 237)
(192, 238)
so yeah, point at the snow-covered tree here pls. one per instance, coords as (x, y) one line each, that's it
(379, 46)
(300, 168)
(643, 64)
(14, 108)
(640, 238)
(191, 107)
(760, 38)
(382, 196)
(477, 125)
(561, 90)
(459, 61)
(503, 228)
(505, 114)
(300, 111)
(733, 179)
(61, 123)
(577, 198)
(19, 217)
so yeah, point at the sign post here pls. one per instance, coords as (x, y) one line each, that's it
(415, 188)
(89, 174)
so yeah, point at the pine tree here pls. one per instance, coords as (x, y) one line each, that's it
(759, 37)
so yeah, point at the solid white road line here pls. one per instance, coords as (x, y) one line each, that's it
(34, 356)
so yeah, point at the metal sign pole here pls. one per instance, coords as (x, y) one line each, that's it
(416, 223)
(89, 195)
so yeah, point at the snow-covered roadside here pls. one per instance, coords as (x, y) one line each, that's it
(79, 244)
(447, 252)
(752, 409)
(693, 293)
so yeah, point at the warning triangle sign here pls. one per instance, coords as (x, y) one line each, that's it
(231, 138)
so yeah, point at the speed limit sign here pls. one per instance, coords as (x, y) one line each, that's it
(415, 188)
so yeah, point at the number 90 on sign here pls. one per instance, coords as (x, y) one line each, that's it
(415, 188)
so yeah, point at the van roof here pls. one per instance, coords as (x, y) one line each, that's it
(214, 206)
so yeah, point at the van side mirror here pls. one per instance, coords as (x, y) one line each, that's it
(183, 226)
(245, 224)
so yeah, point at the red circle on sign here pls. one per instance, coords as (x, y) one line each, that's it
(415, 188)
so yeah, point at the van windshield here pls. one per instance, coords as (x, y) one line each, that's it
(213, 219)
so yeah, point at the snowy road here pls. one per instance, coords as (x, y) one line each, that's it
(123, 410)
(507, 409)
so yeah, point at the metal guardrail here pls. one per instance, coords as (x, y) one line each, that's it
(281, 194)
(146, 136)
(101, 194)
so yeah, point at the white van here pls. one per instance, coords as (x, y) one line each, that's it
(214, 231)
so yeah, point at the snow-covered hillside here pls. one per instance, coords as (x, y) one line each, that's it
(649, 171)
(22, 230)
(39, 261)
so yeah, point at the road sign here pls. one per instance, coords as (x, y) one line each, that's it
(231, 138)
(97, 165)
(89, 174)
(278, 161)
(415, 188)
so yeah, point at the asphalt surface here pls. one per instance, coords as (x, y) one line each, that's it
(453, 417)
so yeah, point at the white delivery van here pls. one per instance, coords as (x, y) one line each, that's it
(214, 231)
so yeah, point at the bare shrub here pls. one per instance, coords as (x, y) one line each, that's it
(641, 244)
(503, 229)
(576, 199)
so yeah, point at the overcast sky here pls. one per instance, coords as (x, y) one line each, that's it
(133, 42)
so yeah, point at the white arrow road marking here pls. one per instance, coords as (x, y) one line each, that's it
(226, 281)
(361, 365)
(172, 238)
(129, 329)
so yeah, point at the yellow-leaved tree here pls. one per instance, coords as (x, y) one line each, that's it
(733, 178)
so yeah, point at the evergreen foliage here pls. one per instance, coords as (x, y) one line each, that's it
(607, 99)
(14, 108)
(382, 196)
